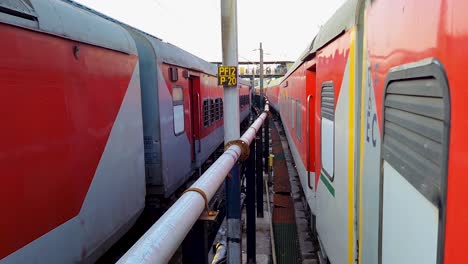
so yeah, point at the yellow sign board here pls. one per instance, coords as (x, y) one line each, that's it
(227, 75)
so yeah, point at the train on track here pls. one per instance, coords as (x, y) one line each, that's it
(98, 116)
(375, 117)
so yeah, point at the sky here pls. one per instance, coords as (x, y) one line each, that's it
(285, 27)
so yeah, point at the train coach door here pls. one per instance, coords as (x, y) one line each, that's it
(310, 93)
(194, 89)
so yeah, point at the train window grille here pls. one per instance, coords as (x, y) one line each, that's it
(212, 111)
(206, 113)
(298, 119)
(217, 111)
(178, 109)
(221, 109)
(327, 128)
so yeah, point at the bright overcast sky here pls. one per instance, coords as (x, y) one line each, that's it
(285, 27)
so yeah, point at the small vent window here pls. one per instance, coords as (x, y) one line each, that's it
(298, 119)
(174, 74)
(328, 129)
(178, 109)
(416, 117)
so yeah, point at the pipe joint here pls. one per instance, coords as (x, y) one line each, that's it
(203, 195)
(244, 146)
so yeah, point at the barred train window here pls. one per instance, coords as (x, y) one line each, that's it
(212, 111)
(206, 113)
(298, 119)
(327, 129)
(217, 112)
(178, 109)
(221, 109)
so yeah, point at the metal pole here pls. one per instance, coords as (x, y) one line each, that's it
(259, 172)
(250, 202)
(252, 96)
(261, 77)
(195, 247)
(160, 242)
(231, 129)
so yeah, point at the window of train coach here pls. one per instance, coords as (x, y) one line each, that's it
(327, 129)
(217, 109)
(178, 109)
(206, 113)
(298, 119)
(292, 112)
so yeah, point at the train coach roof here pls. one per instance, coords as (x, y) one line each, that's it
(342, 20)
(174, 55)
(167, 52)
(66, 19)
(296, 64)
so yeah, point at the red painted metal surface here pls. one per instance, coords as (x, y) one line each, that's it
(311, 80)
(272, 94)
(415, 31)
(331, 64)
(58, 107)
(295, 90)
(206, 87)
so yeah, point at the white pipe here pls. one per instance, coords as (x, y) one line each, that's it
(161, 241)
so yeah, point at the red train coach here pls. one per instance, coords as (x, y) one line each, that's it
(72, 159)
(182, 112)
(272, 93)
(378, 94)
(99, 116)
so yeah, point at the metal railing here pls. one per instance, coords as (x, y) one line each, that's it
(162, 240)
